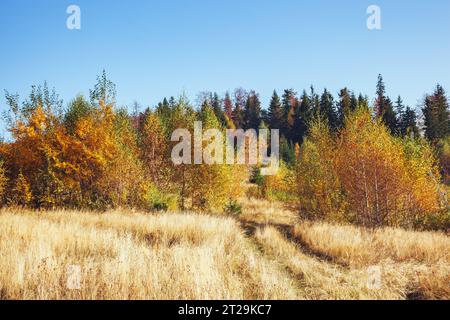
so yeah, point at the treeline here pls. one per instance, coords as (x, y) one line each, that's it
(342, 158)
(292, 114)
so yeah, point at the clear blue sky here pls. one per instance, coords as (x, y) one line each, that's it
(153, 49)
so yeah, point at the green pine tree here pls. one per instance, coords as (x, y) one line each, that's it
(275, 114)
(328, 110)
(384, 108)
(344, 106)
(436, 115)
(252, 111)
(409, 124)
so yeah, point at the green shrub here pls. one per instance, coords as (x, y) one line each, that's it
(233, 207)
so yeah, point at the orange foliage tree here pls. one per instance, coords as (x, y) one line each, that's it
(387, 181)
(88, 158)
(366, 176)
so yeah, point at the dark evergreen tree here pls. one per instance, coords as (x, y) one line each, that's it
(363, 102)
(353, 102)
(216, 104)
(275, 114)
(399, 107)
(381, 97)
(400, 112)
(408, 125)
(384, 108)
(436, 115)
(300, 127)
(288, 103)
(163, 106)
(315, 101)
(344, 106)
(302, 116)
(389, 117)
(172, 103)
(252, 111)
(328, 110)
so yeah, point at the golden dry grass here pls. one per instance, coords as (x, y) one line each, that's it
(266, 212)
(265, 254)
(422, 258)
(320, 280)
(334, 261)
(358, 246)
(133, 256)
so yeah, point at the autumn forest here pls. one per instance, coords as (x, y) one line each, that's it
(372, 162)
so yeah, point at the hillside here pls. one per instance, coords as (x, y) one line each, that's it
(265, 253)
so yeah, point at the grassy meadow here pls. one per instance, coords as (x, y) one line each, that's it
(265, 253)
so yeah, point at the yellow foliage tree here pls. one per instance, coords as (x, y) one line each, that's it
(154, 150)
(22, 192)
(425, 193)
(211, 184)
(384, 184)
(123, 179)
(319, 189)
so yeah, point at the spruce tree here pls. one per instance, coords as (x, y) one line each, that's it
(384, 108)
(253, 111)
(275, 114)
(216, 104)
(315, 101)
(409, 124)
(400, 112)
(344, 105)
(288, 103)
(363, 102)
(389, 117)
(327, 109)
(353, 102)
(381, 96)
(302, 116)
(436, 115)
(300, 127)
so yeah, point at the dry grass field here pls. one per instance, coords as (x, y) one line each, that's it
(266, 253)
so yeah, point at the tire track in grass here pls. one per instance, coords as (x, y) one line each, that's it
(315, 278)
(287, 232)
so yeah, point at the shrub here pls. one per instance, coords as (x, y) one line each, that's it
(233, 207)
(159, 201)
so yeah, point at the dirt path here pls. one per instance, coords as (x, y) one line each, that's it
(315, 274)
